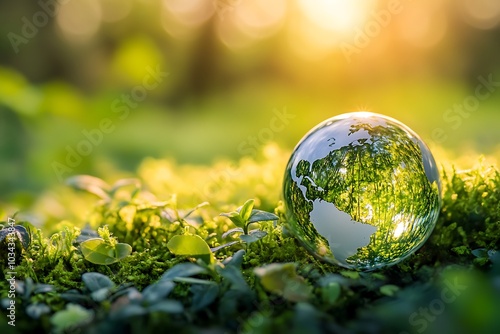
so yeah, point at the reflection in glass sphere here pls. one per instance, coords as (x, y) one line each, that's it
(361, 190)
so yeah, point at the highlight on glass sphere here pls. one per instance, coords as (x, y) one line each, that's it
(361, 190)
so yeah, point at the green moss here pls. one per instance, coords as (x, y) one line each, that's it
(469, 220)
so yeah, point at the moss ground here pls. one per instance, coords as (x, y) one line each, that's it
(452, 284)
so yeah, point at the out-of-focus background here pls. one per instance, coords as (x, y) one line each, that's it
(96, 86)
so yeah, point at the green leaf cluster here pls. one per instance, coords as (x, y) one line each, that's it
(185, 267)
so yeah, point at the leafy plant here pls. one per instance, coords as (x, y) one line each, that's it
(243, 217)
(105, 250)
(191, 245)
(282, 279)
(152, 299)
(27, 291)
(97, 289)
(99, 187)
(59, 246)
(71, 319)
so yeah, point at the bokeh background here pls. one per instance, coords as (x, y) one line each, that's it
(97, 86)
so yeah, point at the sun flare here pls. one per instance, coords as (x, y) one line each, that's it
(340, 16)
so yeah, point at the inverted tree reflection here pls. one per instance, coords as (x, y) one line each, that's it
(378, 179)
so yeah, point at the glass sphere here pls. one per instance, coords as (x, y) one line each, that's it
(362, 191)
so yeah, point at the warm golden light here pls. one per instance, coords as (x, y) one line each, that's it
(432, 27)
(115, 10)
(79, 20)
(338, 16)
(246, 22)
(482, 14)
(190, 13)
(320, 26)
(260, 18)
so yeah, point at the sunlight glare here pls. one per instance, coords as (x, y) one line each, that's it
(339, 16)
(79, 20)
(482, 14)
(399, 230)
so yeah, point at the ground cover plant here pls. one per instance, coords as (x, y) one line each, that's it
(206, 249)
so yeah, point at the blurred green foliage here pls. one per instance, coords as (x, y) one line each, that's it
(230, 65)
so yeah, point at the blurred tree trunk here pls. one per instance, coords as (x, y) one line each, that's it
(203, 72)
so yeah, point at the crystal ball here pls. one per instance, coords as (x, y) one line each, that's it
(361, 190)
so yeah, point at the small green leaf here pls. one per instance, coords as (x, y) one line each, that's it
(246, 210)
(167, 306)
(260, 216)
(389, 289)
(231, 231)
(122, 250)
(378, 276)
(157, 291)
(190, 245)
(192, 280)
(203, 296)
(236, 260)
(96, 281)
(258, 233)
(350, 274)
(234, 276)
(330, 292)
(235, 218)
(98, 251)
(248, 238)
(73, 296)
(195, 208)
(128, 292)
(25, 287)
(306, 318)
(186, 269)
(100, 295)
(480, 253)
(215, 249)
(128, 311)
(123, 183)
(43, 288)
(90, 184)
(36, 310)
(253, 236)
(72, 317)
(282, 279)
